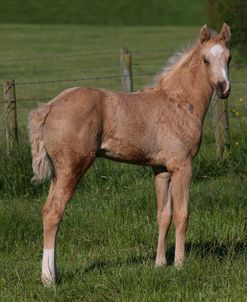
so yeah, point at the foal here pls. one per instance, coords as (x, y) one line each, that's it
(159, 126)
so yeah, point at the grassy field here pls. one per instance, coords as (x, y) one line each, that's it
(43, 52)
(107, 241)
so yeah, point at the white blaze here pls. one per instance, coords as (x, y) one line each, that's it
(217, 50)
(224, 74)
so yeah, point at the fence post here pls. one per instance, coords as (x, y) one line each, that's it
(222, 130)
(10, 115)
(126, 65)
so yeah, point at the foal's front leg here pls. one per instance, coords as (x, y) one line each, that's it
(164, 212)
(181, 180)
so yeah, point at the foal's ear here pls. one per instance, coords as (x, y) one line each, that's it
(204, 34)
(225, 33)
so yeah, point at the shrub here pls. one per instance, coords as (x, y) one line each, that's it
(233, 12)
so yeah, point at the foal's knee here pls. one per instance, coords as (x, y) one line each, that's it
(181, 219)
(164, 218)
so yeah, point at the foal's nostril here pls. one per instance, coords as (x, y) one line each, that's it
(221, 86)
(223, 89)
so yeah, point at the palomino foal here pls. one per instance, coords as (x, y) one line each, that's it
(159, 126)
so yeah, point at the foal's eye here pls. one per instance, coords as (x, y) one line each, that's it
(205, 60)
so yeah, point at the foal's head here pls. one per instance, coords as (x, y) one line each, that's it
(216, 58)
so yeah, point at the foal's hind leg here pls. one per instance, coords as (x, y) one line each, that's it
(48, 261)
(164, 213)
(61, 190)
(181, 180)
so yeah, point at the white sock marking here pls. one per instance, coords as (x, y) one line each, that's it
(48, 265)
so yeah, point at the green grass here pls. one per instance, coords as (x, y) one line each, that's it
(107, 240)
(43, 52)
(106, 12)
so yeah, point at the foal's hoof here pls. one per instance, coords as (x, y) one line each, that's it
(160, 263)
(179, 264)
(48, 281)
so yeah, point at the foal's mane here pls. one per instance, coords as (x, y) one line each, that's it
(179, 58)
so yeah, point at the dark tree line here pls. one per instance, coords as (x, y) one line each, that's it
(233, 12)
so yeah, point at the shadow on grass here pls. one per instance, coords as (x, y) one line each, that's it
(218, 249)
(101, 266)
(212, 248)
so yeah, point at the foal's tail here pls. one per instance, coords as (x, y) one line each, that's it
(42, 165)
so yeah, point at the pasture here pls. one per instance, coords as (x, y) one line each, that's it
(107, 240)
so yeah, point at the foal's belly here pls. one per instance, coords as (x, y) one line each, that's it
(125, 151)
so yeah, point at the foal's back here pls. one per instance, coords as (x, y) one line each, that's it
(141, 127)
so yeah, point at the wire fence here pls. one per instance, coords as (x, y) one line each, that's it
(98, 70)
(30, 93)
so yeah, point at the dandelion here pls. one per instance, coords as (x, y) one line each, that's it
(236, 143)
(241, 100)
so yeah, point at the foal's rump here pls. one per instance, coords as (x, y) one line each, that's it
(69, 121)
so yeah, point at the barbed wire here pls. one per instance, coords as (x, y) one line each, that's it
(80, 79)
(238, 81)
(85, 54)
(87, 69)
(82, 69)
(104, 77)
(98, 54)
(29, 93)
(98, 78)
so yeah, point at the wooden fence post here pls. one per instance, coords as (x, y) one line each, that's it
(10, 115)
(126, 65)
(222, 130)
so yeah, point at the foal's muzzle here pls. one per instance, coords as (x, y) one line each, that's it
(223, 89)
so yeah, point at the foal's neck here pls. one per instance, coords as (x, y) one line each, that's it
(188, 83)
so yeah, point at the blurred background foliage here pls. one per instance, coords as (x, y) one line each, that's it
(233, 12)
